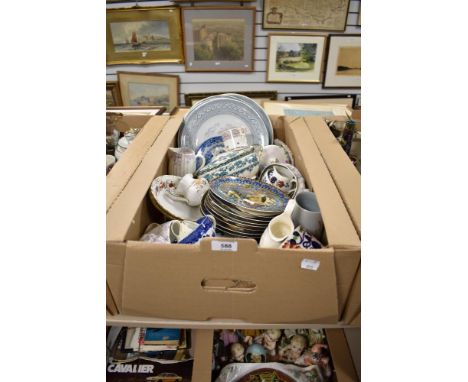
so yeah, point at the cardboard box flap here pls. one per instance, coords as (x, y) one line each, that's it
(308, 160)
(247, 294)
(341, 356)
(120, 215)
(347, 264)
(115, 253)
(345, 175)
(353, 305)
(124, 168)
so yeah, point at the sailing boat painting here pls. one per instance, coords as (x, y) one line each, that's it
(134, 36)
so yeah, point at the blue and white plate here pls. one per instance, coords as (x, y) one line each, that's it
(250, 195)
(213, 115)
(211, 148)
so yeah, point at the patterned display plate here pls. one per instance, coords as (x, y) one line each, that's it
(217, 114)
(250, 195)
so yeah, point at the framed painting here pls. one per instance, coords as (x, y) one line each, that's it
(143, 36)
(113, 97)
(345, 99)
(343, 68)
(149, 89)
(295, 58)
(218, 39)
(302, 110)
(305, 14)
(259, 97)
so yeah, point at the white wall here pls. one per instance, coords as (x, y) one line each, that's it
(231, 82)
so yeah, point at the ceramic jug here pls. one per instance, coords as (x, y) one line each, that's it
(183, 160)
(279, 228)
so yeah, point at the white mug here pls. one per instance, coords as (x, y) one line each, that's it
(279, 228)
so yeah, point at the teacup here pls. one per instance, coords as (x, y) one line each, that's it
(273, 154)
(189, 190)
(183, 161)
(281, 177)
(279, 228)
(301, 239)
(307, 214)
(205, 228)
(180, 229)
(236, 138)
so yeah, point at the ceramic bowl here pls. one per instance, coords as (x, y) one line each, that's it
(286, 149)
(273, 154)
(243, 162)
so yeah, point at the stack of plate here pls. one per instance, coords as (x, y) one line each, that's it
(242, 207)
(213, 115)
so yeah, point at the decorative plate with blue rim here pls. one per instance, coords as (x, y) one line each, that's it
(217, 114)
(249, 194)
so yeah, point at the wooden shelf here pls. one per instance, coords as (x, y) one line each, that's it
(136, 321)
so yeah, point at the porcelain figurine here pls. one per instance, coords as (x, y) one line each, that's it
(237, 352)
(189, 190)
(268, 339)
(243, 162)
(300, 239)
(228, 337)
(255, 353)
(206, 227)
(290, 353)
(317, 355)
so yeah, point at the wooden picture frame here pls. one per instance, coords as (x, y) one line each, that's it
(258, 96)
(295, 58)
(328, 15)
(149, 89)
(143, 36)
(113, 97)
(348, 99)
(218, 39)
(343, 68)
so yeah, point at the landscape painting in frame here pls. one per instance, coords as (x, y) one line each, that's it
(295, 58)
(143, 35)
(344, 62)
(305, 14)
(145, 89)
(218, 39)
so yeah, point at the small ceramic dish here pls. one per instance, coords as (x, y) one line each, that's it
(287, 150)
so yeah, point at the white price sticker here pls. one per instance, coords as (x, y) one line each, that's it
(224, 246)
(309, 264)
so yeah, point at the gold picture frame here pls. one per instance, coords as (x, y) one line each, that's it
(113, 97)
(328, 15)
(295, 58)
(192, 98)
(149, 89)
(143, 36)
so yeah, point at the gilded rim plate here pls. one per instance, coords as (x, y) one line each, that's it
(249, 195)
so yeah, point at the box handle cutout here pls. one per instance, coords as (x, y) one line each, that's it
(228, 285)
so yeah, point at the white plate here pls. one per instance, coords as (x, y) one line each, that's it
(169, 207)
(216, 114)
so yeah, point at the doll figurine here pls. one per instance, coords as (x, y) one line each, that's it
(255, 354)
(268, 339)
(316, 355)
(228, 337)
(237, 352)
(291, 352)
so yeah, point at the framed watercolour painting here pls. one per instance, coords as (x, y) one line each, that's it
(305, 14)
(295, 58)
(218, 39)
(343, 68)
(143, 36)
(258, 96)
(149, 89)
(113, 94)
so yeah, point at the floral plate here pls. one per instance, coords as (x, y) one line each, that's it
(172, 209)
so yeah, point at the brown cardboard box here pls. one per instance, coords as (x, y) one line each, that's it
(123, 170)
(165, 280)
(348, 182)
(344, 370)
